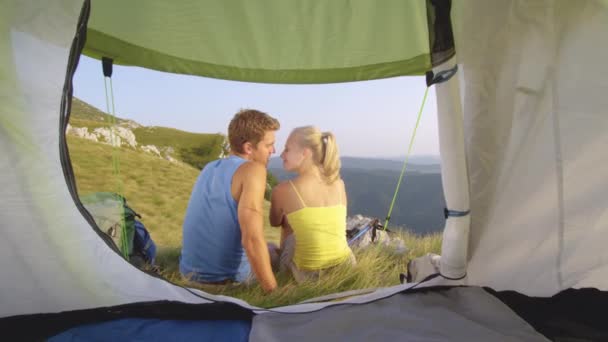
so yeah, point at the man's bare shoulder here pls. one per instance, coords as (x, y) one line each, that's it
(250, 171)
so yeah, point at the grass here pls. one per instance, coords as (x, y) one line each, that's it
(159, 190)
(376, 267)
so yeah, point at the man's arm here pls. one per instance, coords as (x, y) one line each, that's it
(251, 220)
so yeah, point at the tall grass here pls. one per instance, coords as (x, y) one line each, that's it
(376, 267)
(160, 190)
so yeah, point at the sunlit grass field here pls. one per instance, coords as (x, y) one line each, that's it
(159, 190)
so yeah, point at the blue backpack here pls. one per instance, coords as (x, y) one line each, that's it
(144, 248)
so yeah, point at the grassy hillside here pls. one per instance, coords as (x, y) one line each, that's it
(160, 190)
(155, 188)
(85, 115)
(195, 149)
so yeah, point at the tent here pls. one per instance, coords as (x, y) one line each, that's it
(522, 140)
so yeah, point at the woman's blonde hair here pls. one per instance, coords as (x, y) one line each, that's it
(324, 149)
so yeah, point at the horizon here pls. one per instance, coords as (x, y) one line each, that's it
(436, 158)
(370, 119)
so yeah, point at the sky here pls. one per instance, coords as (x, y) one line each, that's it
(369, 119)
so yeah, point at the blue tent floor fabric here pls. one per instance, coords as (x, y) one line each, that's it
(150, 330)
(53, 324)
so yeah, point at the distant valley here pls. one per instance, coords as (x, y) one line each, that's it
(370, 164)
(370, 185)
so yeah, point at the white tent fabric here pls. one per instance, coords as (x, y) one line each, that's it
(534, 87)
(46, 246)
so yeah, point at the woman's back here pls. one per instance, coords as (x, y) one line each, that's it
(316, 212)
(314, 192)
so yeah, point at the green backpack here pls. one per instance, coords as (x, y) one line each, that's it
(114, 217)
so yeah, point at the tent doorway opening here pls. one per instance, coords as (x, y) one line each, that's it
(165, 128)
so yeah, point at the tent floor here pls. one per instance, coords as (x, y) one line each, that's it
(572, 315)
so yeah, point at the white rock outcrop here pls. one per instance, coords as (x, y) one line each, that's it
(225, 148)
(151, 149)
(116, 135)
(81, 132)
(171, 159)
(119, 136)
(131, 124)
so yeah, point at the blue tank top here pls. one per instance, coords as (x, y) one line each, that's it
(211, 244)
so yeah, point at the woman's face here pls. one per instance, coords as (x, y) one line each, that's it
(292, 155)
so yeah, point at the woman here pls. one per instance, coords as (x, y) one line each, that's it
(311, 208)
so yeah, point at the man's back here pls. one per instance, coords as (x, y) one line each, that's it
(211, 246)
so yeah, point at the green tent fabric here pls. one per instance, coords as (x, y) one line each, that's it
(275, 41)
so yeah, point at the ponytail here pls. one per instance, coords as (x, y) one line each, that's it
(330, 157)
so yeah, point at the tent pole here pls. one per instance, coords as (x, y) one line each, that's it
(454, 176)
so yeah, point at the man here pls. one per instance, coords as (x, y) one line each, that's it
(223, 238)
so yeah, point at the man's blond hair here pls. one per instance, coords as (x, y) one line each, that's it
(249, 125)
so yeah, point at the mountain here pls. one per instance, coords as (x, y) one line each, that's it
(374, 164)
(370, 185)
(420, 159)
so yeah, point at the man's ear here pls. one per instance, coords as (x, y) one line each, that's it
(248, 148)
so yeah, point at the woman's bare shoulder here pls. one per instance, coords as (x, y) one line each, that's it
(280, 189)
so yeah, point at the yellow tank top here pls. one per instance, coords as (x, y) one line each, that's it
(320, 234)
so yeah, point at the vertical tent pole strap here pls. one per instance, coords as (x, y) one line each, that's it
(431, 79)
(107, 66)
(390, 210)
